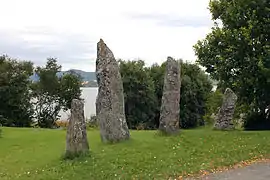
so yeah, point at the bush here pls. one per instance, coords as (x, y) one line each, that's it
(92, 122)
(61, 123)
(213, 102)
(209, 120)
(256, 121)
(0, 130)
(3, 120)
(143, 126)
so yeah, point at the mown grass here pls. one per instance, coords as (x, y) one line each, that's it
(36, 154)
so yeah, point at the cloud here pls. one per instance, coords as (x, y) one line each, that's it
(174, 20)
(37, 45)
(69, 30)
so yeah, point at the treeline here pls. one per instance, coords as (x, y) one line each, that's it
(23, 101)
(236, 53)
(143, 92)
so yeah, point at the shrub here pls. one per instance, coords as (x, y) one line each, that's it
(256, 121)
(61, 123)
(92, 122)
(213, 102)
(208, 119)
(141, 126)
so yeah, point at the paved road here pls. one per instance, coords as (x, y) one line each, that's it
(259, 171)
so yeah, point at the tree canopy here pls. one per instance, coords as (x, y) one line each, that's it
(16, 108)
(237, 51)
(53, 93)
(139, 90)
(23, 101)
(143, 87)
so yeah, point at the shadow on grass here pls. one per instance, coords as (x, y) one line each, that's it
(159, 133)
(76, 156)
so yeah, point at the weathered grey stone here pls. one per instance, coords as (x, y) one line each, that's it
(170, 108)
(225, 113)
(110, 109)
(76, 140)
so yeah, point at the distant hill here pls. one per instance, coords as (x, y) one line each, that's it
(86, 76)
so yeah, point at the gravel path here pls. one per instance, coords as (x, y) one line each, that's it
(259, 171)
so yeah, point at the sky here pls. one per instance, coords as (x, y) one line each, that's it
(69, 30)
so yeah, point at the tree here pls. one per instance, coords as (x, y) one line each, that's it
(139, 90)
(157, 74)
(195, 88)
(143, 89)
(70, 88)
(53, 93)
(237, 51)
(15, 100)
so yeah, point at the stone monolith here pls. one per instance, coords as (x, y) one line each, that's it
(76, 140)
(110, 108)
(170, 107)
(225, 113)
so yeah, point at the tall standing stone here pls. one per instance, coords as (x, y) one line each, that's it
(225, 114)
(170, 107)
(110, 109)
(76, 140)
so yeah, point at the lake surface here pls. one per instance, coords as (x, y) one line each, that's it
(89, 95)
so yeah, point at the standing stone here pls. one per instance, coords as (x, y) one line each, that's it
(170, 107)
(225, 113)
(76, 140)
(110, 109)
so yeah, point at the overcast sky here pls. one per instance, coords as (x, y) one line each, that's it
(69, 29)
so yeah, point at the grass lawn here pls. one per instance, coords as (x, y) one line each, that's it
(36, 154)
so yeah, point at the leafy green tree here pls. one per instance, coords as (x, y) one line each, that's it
(157, 74)
(195, 88)
(70, 84)
(53, 93)
(15, 99)
(237, 51)
(143, 89)
(139, 90)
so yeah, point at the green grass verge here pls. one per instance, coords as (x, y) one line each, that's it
(36, 154)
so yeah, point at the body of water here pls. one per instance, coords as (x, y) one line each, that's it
(89, 95)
